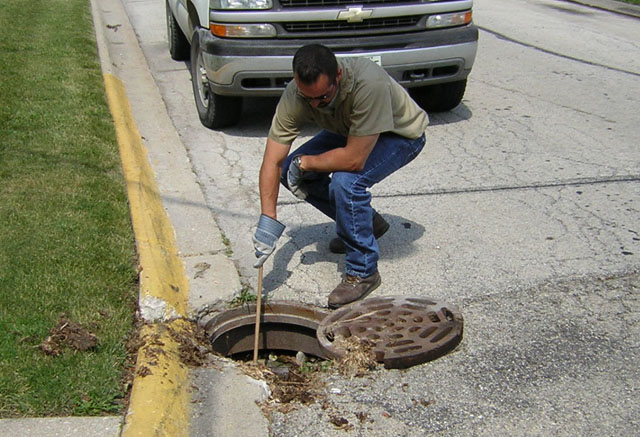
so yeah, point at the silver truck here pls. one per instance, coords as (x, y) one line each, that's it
(244, 48)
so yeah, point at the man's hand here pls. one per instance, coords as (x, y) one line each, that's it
(265, 238)
(295, 176)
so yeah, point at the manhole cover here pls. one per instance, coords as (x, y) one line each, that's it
(404, 331)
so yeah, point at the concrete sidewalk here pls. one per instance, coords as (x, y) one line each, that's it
(62, 427)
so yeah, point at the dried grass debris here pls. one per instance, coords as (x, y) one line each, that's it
(359, 358)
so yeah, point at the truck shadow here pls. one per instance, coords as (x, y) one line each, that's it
(257, 113)
(457, 114)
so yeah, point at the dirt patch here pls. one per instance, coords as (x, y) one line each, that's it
(293, 383)
(194, 349)
(340, 422)
(289, 383)
(68, 334)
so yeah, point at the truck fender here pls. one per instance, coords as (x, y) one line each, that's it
(198, 14)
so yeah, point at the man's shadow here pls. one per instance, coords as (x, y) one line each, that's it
(313, 243)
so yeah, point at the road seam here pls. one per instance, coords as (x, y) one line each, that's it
(551, 52)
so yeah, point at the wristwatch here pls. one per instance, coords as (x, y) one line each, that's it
(298, 162)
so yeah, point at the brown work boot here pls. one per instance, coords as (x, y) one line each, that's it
(380, 226)
(353, 288)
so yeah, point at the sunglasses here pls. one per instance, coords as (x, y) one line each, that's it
(319, 98)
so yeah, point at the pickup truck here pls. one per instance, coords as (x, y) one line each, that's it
(244, 48)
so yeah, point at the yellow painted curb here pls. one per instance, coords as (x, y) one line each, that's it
(162, 277)
(160, 395)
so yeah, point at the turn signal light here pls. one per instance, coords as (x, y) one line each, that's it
(243, 30)
(449, 20)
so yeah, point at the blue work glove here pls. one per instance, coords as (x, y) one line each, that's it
(266, 237)
(295, 176)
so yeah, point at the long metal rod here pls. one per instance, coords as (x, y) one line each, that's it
(256, 335)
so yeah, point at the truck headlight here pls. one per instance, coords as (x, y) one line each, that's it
(448, 20)
(243, 30)
(242, 4)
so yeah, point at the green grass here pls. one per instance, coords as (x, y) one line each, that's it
(66, 243)
(634, 2)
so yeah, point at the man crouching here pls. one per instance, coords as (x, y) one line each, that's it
(370, 128)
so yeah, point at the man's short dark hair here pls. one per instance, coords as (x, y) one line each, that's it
(312, 60)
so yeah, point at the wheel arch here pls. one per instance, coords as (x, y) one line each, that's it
(195, 13)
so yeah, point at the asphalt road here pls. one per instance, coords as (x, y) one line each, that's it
(522, 210)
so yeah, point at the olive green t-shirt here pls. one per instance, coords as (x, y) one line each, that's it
(368, 102)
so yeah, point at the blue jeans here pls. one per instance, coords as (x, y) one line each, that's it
(345, 197)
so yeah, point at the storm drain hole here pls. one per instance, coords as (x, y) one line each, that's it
(284, 326)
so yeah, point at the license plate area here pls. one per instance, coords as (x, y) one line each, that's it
(374, 58)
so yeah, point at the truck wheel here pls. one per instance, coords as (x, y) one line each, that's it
(178, 43)
(215, 111)
(441, 97)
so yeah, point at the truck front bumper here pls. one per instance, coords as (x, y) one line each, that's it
(239, 67)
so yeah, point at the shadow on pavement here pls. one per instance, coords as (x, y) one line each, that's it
(313, 243)
(257, 113)
(457, 114)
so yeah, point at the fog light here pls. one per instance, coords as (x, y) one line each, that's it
(243, 30)
(449, 20)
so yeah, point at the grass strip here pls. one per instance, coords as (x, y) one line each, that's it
(66, 242)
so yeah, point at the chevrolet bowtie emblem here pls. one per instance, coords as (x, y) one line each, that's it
(355, 15)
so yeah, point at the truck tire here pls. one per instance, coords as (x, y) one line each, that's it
(441, 97)
(215, 111)
(178, 43)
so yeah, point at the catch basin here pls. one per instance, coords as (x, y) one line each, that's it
(402, 330)
(284, 326)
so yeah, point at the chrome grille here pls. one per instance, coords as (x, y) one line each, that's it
(337, 26)
(315, 3)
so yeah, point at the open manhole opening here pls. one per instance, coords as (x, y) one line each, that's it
(284, 327)
(286, 330)
(403, 331)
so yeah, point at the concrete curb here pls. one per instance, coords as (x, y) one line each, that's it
(159, 397)
(164, 288)
(160, 394)
(185, 272)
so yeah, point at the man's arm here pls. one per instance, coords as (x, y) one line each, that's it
(351, 157)
(270, 171)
